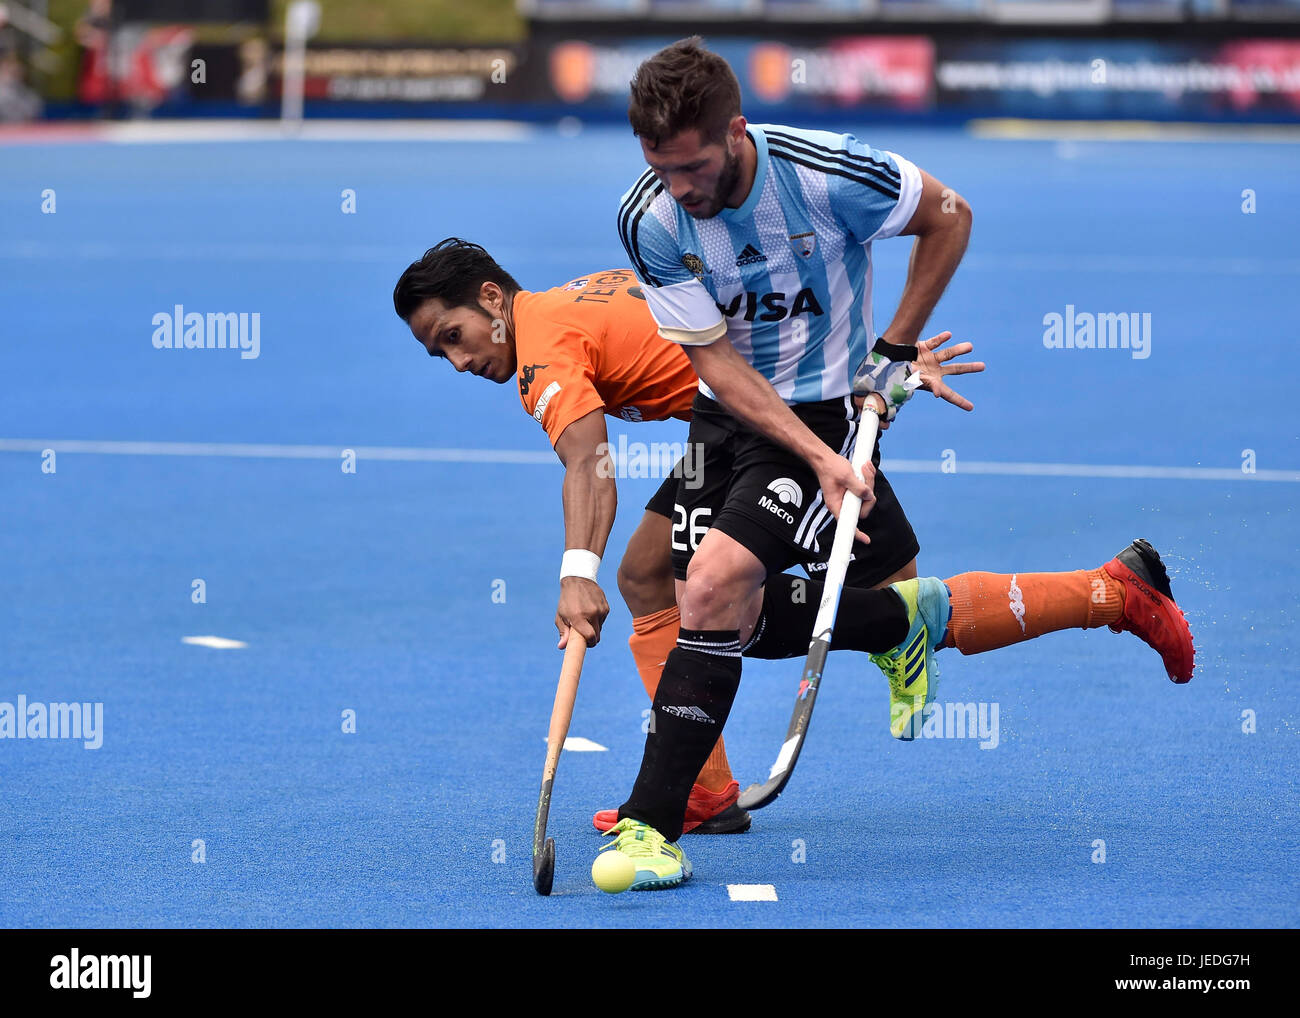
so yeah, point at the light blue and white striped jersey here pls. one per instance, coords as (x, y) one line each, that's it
(789, 272)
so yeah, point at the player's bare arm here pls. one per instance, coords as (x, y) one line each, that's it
(590, 502)
(750, 397)
(941, 225)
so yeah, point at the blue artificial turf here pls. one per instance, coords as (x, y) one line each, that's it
(373, 591)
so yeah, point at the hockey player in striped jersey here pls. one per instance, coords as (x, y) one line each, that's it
(754, 247)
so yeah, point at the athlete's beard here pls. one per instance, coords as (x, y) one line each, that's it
(728, 178)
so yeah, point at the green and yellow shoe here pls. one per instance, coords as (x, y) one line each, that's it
(659, 865)
(909, 667)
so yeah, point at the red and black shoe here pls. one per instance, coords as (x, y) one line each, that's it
(1149, 609)
(706, 813)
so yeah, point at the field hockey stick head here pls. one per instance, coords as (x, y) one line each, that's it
(544, 867)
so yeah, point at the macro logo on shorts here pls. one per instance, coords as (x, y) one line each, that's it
(527, 375)
(694, 265)
(788, 493)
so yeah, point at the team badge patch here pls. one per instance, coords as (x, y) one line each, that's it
(804, 243)
(694, 265)
(578, 284)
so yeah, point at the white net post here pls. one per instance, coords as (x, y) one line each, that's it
(301, 21)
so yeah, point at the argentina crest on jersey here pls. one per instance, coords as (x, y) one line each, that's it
(804, 244)
(694, 265)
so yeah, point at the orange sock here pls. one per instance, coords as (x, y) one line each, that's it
(716, 773)
(653, 637)
(991, 610)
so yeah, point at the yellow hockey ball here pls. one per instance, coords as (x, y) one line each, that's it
(613, 872)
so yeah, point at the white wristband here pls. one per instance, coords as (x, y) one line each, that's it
(580, 562)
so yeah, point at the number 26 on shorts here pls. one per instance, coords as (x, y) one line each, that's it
(694, 529)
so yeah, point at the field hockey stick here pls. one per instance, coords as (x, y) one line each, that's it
(759, 795)
(566, 692)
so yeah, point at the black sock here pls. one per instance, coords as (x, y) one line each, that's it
(873, 621)
(695, 694)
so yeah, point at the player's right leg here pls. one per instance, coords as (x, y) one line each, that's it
(721, 570)
(645, 579)
(695, 695)
(692, 704)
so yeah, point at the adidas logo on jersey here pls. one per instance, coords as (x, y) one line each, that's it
(751, 256)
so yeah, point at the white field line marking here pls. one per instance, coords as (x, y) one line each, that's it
(577, 744)
(752, 892)
(1012, 469)
(255, 251)
(421, 455)
(167, 132)
(1165, 264)
(976, 261)
(215, 642)
(206, 252)
(258, 451)
(1130, 130)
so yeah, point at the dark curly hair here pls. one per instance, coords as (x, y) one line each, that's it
(453, 270)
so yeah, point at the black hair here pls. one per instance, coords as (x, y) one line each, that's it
(453, 270)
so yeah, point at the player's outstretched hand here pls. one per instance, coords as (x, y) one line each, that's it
(582, 606)
(836, 476)
(932, 364)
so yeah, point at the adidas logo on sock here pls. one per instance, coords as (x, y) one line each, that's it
(751, 256)
(690, 714)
